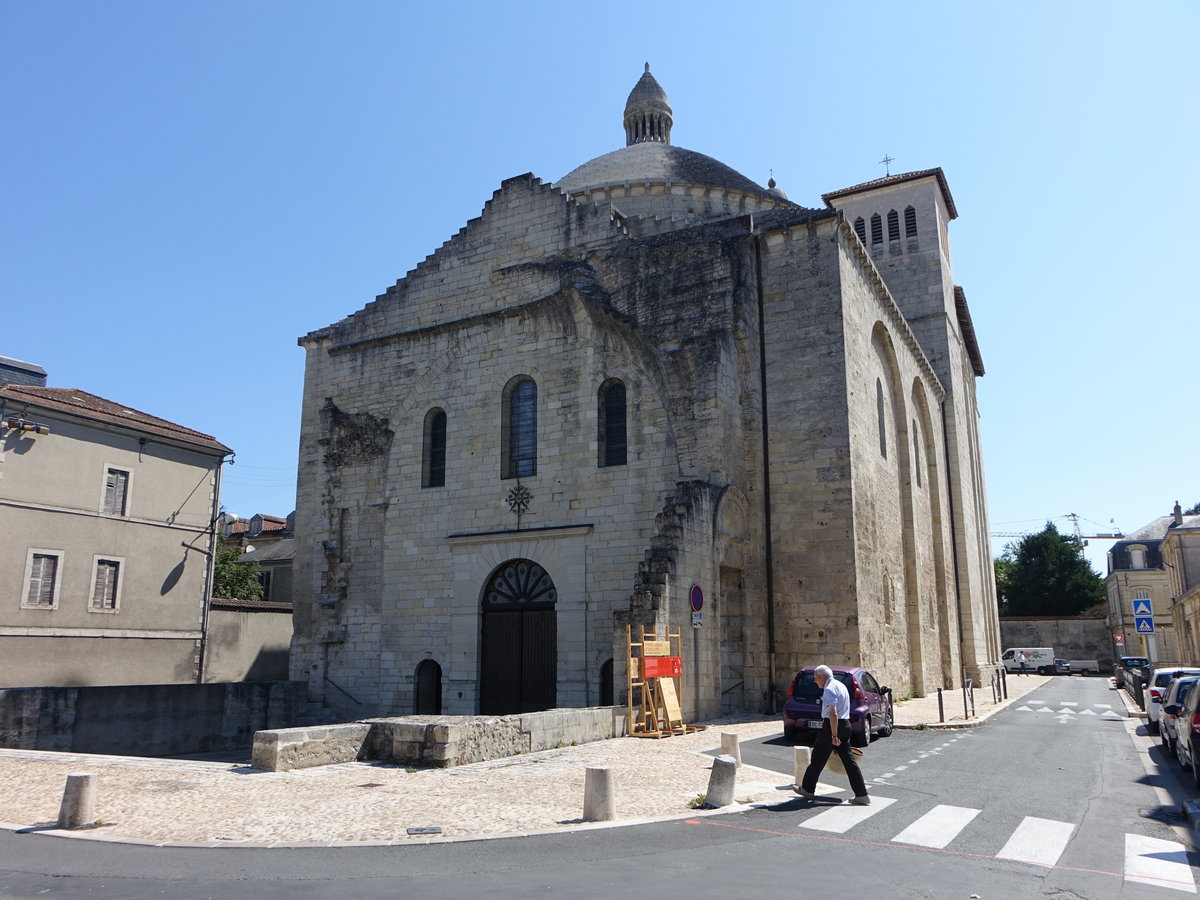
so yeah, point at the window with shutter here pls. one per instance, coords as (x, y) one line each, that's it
(910, 222)
(860, 228)
(116, 489)
(876, 229)
(893, 225)
(42, 590)
(612, 425)
(104, 592)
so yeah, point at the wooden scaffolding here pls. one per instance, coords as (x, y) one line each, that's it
(653, 681)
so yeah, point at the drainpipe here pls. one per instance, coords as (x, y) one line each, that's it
(766, 471)
(206, 594)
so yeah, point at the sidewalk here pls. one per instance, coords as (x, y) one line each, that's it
(211, 804)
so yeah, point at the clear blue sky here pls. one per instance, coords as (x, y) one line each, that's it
(189, 187)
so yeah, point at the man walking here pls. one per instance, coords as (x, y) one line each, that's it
(1023, 662)
(834, 737)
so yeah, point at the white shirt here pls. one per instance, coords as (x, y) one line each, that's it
(836, 697)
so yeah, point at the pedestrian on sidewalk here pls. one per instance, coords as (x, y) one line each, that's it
(834, 737)
(1023, 662)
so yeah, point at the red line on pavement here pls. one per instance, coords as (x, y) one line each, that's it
(901, 846)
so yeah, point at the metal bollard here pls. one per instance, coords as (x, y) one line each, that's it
(598, 799)
(79, 801)
(803, 758)
(721, 782)
(731, 747)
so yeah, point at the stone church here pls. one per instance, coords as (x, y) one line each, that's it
(649, 376)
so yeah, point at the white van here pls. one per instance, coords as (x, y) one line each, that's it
(1037, 659)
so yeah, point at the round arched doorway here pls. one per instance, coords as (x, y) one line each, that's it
(518, 669)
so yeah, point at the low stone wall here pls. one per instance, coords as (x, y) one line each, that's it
(147, 719)
(436, 741)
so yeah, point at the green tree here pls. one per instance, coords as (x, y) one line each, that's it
(1047, 575)
(235, 578)
(1194, 511)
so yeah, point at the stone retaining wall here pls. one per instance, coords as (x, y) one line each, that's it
(436, 741)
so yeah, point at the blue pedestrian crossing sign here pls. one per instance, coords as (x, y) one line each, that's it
(1142, 608)
(1143, 624)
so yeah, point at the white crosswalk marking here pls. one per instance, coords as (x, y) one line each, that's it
(1069, 703)
(1161, 863)
(938, 827)
(1037, 841)
(840, 819)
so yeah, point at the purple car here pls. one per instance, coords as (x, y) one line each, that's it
(870, 706)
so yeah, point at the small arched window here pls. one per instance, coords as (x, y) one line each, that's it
(860, 228)
(893, 225)
(881, 412)
(876, 229)
(519, 429)
(910, 222)
(433, 450)
(612, 423)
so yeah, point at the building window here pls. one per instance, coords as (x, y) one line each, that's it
(106, 587)
(612, 428)
(264, 578)
(41, 580)
(519, 438)
(433, 457)
(910, 222)
(881, 413)
(116, 492)
(1137, 557)
(916, 452)
(893, 225)
(1141, 594)
(860, 228)
(876, 229)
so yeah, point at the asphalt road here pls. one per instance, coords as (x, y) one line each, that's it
(1057, 779)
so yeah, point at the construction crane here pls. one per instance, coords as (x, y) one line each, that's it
(1081, 539)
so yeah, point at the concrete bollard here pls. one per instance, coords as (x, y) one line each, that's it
(78, 802)
(721, 782)
(803, 758)
(731, 747)
(598, 800)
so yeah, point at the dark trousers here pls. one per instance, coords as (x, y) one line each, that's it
(820, 755)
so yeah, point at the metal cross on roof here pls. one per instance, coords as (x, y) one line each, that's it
(886, 163)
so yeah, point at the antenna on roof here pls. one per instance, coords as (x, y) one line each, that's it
(886, 162)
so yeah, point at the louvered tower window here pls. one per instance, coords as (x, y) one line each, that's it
(860, 228)
(893, 225)
(876, 229)
(910, 222)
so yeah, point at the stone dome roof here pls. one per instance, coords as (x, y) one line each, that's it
(654, 162)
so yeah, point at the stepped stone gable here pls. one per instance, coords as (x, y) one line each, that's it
(717, 388)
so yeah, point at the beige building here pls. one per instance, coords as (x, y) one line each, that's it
(1137, 576)
(1180, 549)
(649, 386)
(108, 520)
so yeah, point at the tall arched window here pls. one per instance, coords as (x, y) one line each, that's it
(612, 425)
(876, 229)
(910, 222)
(860, 228)
(893, 225)
(519, 438)
(433, 450)
(881, 411)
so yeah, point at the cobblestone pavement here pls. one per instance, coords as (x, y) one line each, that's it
(193, 803)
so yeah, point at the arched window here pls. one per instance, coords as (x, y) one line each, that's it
(881, 411)
(876, 229)
(910, 222)
(1137, 557)
(860, 228)
(519, 437)
(612, 424)
(893, 225)
(433, 450)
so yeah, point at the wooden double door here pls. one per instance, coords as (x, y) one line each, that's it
(518, 669)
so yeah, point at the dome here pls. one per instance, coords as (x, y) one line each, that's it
(653, 163)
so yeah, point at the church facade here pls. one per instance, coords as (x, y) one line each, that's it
(649, 376)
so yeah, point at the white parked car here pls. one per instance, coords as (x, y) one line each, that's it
(1159, 679)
